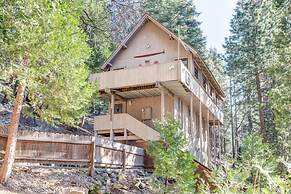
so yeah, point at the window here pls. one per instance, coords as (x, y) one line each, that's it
(204, 83)
(185, 61)
(196, 71)
(211, 91)
(117, 108)
(146, 113)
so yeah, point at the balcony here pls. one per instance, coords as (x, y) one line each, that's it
(174, 76)
(139, 76)
(193, 86)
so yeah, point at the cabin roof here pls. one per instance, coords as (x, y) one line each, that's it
(204, 68)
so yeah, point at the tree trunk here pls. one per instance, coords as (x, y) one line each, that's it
(231, 121)
(261, 113)
(235, 122)
(6, 167)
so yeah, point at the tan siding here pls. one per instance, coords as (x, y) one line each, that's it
(157, 40)
(154, 102)
(137, 104)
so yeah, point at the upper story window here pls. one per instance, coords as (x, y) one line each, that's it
(204, 82)
(196, 71)
(185, 62)
(211, 91)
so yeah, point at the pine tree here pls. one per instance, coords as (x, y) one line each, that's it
(179, 14)
(249, 52)
(254, 172)
(96, 22)
(171, 160)
(216, 65)
(43, 52)
(124, 15)
(280, 73)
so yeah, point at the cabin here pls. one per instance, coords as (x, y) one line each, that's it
(151, 75)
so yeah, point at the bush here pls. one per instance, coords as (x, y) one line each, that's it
(171, 160)
(254, 171)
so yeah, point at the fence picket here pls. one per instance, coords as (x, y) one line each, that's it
(52, 148)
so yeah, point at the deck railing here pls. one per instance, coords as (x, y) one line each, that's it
(146, 75)
(126, 121)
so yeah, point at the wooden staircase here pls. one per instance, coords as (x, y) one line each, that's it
(125, 127)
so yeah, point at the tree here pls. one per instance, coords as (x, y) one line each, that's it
(216, 65)
(249, 52)
(43, 51)
(124, 14)
(171, 160)
(254, 172)
(96, 22)
(280, 92)
(179, 14)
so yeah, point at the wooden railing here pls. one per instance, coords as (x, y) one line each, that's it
(53, 148)
(136, 76)
(126, 121)
(193, 86)
(167, 72)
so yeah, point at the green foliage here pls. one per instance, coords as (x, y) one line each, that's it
(252, 49)
(171, 160)
(96, 23)
(280, 93)
(124, 15)
(179, 14)
(216, 65)
(254, 172)
(95, 189)
(43, 46)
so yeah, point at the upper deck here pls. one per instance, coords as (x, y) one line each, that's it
(174, 76)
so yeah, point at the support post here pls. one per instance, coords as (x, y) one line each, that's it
(111, 116)
(191, 118)
(92, 155)
(214, 130)
(200, 122)
(123, 159)
(219, 140)
(125, 136)
(162, 104)
(175, 106)
(208, 137)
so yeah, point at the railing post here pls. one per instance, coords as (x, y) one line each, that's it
(200, 123)
(191, 118)
(162, 104)
(92, 150)
(111, 116)
(208, 137)
(219, 140)
(125, 135)
(123, 159)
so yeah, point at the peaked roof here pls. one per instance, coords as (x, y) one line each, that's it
(187, 47)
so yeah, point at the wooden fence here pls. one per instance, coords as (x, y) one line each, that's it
(53, 148)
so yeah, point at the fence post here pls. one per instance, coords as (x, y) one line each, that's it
(92, 155)
(123, 159)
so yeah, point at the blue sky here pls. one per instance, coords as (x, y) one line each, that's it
(215, 17)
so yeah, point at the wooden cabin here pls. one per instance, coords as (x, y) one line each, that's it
(151, 75)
